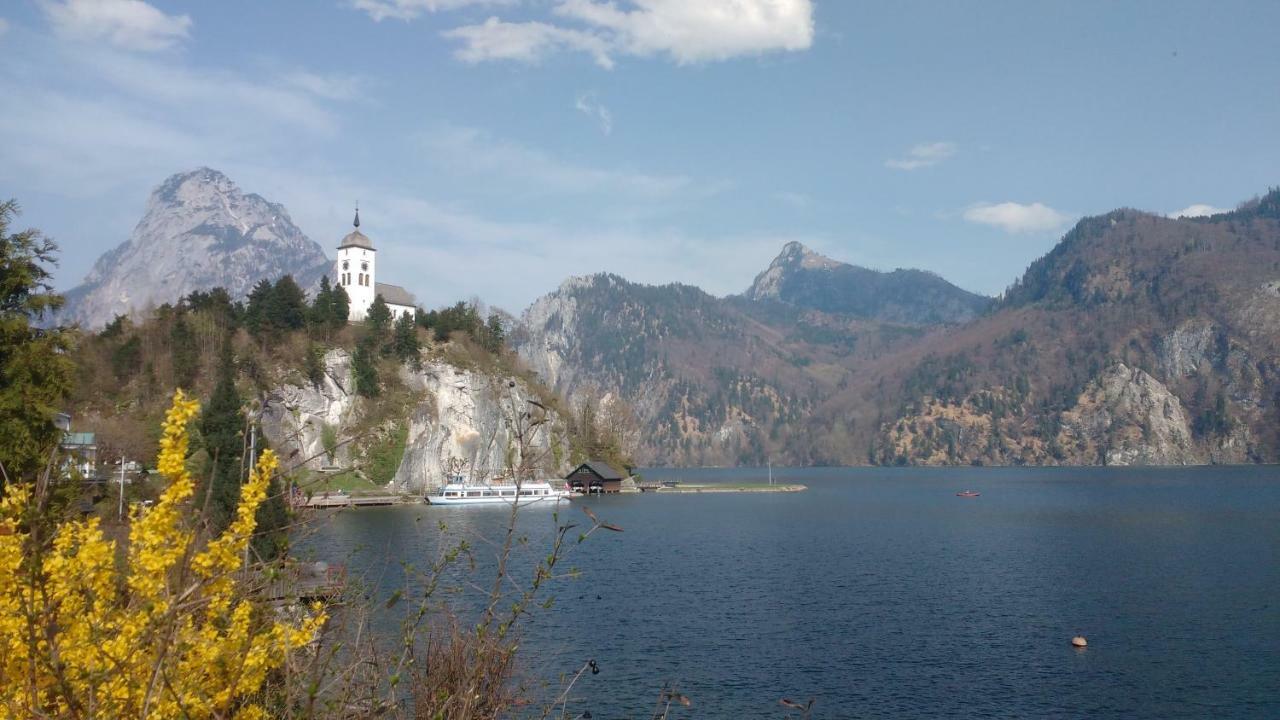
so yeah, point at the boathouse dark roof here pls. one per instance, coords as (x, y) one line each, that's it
(602, 470)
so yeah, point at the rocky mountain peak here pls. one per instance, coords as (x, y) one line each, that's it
(806, 279)
(199, 231)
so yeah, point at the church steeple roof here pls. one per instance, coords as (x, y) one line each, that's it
(355, 238)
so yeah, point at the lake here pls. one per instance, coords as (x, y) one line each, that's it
(882, 594)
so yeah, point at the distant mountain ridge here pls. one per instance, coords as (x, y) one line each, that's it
(199, 231)
(801, 277)
(1138, 339)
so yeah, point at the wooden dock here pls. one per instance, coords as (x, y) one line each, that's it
(307, 583)
(337, 500)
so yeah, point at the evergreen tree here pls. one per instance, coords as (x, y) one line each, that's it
(217, 303)
(35, 370)
(404, 341)
(255, 313)
(288, 306)
(340, 309)
(183, 353)
(363, 367)
(270, 538)
(126, 358)
(315, 365)
(495, 335)
(221, 426)
(377, 321)
(318, 319)
(115, 328)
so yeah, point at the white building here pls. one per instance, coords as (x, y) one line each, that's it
(357, 260)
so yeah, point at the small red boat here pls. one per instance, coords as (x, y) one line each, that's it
(968, 493)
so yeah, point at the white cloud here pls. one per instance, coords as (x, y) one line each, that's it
(592, 108)
(526, 42)
(1017, 218)
(1198, 210)
(128, 24)
(922, 156)
(381, 10)
(687, 32)
(326, 86)
(464, 150)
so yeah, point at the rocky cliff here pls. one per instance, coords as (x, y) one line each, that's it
(450, 421)
(200, 231)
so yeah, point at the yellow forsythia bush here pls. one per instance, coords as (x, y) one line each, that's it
(168, 635)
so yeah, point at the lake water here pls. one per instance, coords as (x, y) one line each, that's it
(883, 595)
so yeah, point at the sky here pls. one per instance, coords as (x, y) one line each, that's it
(497, 147)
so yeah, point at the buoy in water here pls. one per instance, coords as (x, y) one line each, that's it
(1079, 641)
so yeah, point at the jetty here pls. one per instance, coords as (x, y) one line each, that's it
(306, 583)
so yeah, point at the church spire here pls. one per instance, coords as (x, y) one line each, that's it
(357, 220)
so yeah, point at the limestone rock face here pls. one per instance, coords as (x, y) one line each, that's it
(469, 424)
(463, 422)
(1183, 350)
(1127, 417)
(294, 417)
(199, 232)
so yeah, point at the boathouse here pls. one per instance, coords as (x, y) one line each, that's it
(595, 477)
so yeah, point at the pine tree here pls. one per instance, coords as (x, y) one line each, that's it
(288, 306)
(315, 365)
(363, 368)
(35, 370)
(184, 355)
(321, 309)
(494, 335)
(255, 314)
(378, 320)
(271, 538)
(340, 309)
(222, 426)
(404, 341)
(126, 358)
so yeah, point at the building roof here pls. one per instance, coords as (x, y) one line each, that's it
(602, 470)
(355, 238)
(393, 294)
(78, 439)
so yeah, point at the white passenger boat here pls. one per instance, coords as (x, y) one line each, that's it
(529, 492)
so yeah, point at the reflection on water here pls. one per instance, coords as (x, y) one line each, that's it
(882, 594)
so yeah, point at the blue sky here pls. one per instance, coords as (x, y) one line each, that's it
(499, 147)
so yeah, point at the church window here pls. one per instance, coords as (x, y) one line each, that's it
(344, 265)
(364, 266)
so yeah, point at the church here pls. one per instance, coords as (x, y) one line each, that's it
(356, 266)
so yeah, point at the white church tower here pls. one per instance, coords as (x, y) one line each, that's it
(355, 269)
(356, 258)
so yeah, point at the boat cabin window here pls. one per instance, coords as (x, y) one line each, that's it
(526, 493)
(451, 493)
(488, 493)
(508, 493)
(473, 493)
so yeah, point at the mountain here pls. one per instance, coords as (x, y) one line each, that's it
(732, 380)
(199, 232)
(803, 278)
(1138, 339)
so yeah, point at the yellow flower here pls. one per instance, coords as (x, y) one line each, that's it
(170, 635)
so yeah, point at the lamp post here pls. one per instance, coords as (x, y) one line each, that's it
(122, 488)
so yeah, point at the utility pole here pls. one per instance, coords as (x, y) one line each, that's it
(122, 488)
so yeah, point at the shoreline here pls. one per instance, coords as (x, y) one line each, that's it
(732, 487)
